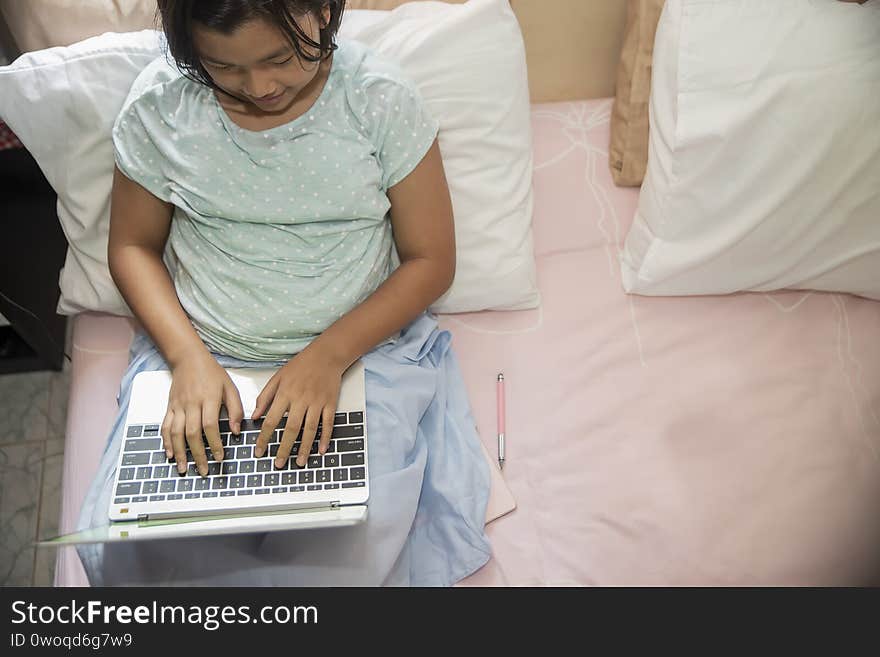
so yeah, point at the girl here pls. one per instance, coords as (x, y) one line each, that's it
(263, 185)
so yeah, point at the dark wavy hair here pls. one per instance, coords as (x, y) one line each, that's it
(177, 18)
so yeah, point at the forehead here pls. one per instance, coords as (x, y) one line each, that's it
(250, 43)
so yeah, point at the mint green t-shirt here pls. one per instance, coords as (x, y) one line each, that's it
(276, 233)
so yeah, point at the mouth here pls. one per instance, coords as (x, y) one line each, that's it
(268, 100)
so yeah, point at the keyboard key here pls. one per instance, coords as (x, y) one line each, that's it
(297, 489)
(315, 487)
(209, 494)
(138, 458)
(250, 438)
(151, 487)
(235, 441)
(192, 470)
(185, 484)
(262, 491)
(237, 481)
(314, 449)
(144, 473)
(264, 465)
(272, 479)
(348, 432)
(142, 444)
(167, 486)
(157, 498)
(224, 426)
(245, 492)
(134, 431)
(341, 418)
(280, 489)
(273, 449)
(227, 493)
(322, 476)
(139, 498)
(126, 474)
(353, 459)
(228, 453)
(128, 489)
(214, 469)
(229, 467)
(315, 462)
(202, 483)
(354, 484)
(245, 452)
(122, 500)
(246, 467)
(331, 461)
(158, 457)
(218, 483)
(340, 474)
(356, 418)
(192, 496)
(151, 427)
(148, 432)
(250, 425)
(160, 471)
(255, 481)
(356, 445)
(357, 473)
(306, 476)
(175, 496)
(288, 478)
(331, 486)
(331, 447)
(224, 438)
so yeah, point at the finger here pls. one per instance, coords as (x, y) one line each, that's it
(326, 427)
(178, 436)
(193, 433)
(276, 409)
(274, 418)
(310, 428)
(266, 397)
(166, 433)
(234, 409)
(288, 438)
(211, 427)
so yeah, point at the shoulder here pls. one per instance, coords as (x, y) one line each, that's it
(372, 82)
(157, 92)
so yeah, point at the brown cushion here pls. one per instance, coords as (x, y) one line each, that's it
(628, 154)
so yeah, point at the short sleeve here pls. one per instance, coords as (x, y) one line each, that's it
(401, 128)
(137, 147)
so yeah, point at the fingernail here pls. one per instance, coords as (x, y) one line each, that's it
(278, 463)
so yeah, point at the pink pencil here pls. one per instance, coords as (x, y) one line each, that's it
(500, 405)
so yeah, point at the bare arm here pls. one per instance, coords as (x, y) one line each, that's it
(421, 217)
(139, 227)
(308, 386)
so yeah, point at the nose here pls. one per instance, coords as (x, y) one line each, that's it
(259, 84)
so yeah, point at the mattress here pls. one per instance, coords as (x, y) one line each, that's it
(650, 441)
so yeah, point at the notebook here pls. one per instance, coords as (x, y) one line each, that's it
(241, 494)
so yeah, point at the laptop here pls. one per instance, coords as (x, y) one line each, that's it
(241, 494)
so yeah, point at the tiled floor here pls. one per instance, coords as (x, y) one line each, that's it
(33, 408)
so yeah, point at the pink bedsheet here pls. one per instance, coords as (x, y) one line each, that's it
(678, 441)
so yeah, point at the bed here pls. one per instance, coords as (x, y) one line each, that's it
(650, 441)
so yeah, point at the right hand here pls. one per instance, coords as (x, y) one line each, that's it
(198, 388)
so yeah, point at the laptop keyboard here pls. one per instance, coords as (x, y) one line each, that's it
(146, 474)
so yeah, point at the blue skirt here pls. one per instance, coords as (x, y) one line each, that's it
(429, 487)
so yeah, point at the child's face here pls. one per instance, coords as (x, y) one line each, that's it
(257, 63)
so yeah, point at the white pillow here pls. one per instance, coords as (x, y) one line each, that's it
(61, 102)
(764, 159)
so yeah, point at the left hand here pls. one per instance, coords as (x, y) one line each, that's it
(307, 388)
